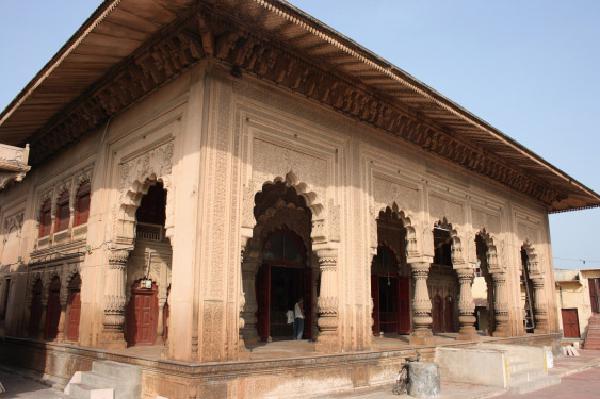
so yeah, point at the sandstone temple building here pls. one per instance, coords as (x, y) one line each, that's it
(195, 167)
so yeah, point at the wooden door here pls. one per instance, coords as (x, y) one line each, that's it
(375, 296)
(142, 315)
(570, 323)
(594, 287)
(449, 325)
(52, 314)
(437, 314)
(263, 297)
(403, 305)
(74, 304)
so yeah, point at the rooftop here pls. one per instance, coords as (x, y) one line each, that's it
(127, 48)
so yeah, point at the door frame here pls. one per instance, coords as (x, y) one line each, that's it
(131, 319)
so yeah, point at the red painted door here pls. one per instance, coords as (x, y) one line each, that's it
(448, 314)
(403, 305)
(263, 297)
(375, 296)
(74, 304)
(570, 323)
(594, 287)
(52, 314)
(142, 317)
(437, 314)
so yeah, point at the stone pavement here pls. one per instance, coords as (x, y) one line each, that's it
(21, 387)
(581, 380)
(573, 370)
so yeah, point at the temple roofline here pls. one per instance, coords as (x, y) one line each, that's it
(375, 91)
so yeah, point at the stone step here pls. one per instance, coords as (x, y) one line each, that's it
(526, 376)
(124, 373)
(94, 379)
(515, 367)
(534, 385)
(83, 391)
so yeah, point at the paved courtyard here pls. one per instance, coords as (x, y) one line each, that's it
(580, 380)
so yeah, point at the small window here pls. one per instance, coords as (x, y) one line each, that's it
(61, 221)
(5, 297)
(82, 204)
(45, 219)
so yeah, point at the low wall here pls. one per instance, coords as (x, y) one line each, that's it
(290, 378)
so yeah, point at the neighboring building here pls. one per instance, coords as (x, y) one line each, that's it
(577, 296)
(198, 167)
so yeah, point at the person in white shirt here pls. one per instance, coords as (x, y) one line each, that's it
(299, 319)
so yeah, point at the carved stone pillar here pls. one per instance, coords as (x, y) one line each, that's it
(500, 305)
(160, 330)
(327, 304)
(421, 305)
(60, 336)
(41, 328)
(249, 269)
(466, 306)
(540, 310)
(115, 299)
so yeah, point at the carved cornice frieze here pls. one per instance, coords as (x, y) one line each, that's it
(212, 33)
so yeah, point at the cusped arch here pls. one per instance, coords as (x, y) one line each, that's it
(531, 257)
(457, 251)
(492, 256)
(309, 200)
(393, 212)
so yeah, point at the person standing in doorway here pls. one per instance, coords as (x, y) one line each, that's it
(299, 319)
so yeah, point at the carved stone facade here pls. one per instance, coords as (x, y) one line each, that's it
(247, 138)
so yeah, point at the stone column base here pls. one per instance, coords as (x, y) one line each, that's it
(422, 337)
(327, 344)
(112, 340)
(468, 336)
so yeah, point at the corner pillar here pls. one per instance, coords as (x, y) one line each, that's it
(466, 306)
(115, 299)
(249, 270)
(421, 305)
(540, 310)
(327, 304)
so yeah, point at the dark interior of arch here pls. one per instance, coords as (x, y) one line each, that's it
(152, 206)
(273, 192)
(442, 243)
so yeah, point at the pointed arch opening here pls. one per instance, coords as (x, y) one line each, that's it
(390, 275)
(53, 309)
(442, 281)
(148, 268)
(279, 270)
(527, 288)
(73, 308)
(485, 312)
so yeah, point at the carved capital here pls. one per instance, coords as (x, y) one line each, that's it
(118, 258)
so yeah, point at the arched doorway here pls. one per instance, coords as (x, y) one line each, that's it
(148, 270)
(74, 308)
(527, 293)
(36, 308)
(142, 313)
(485, 315)
(390, 294)
(442, 281)
(283, 278)
(53, 309)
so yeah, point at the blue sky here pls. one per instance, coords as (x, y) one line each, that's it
(529, 68)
